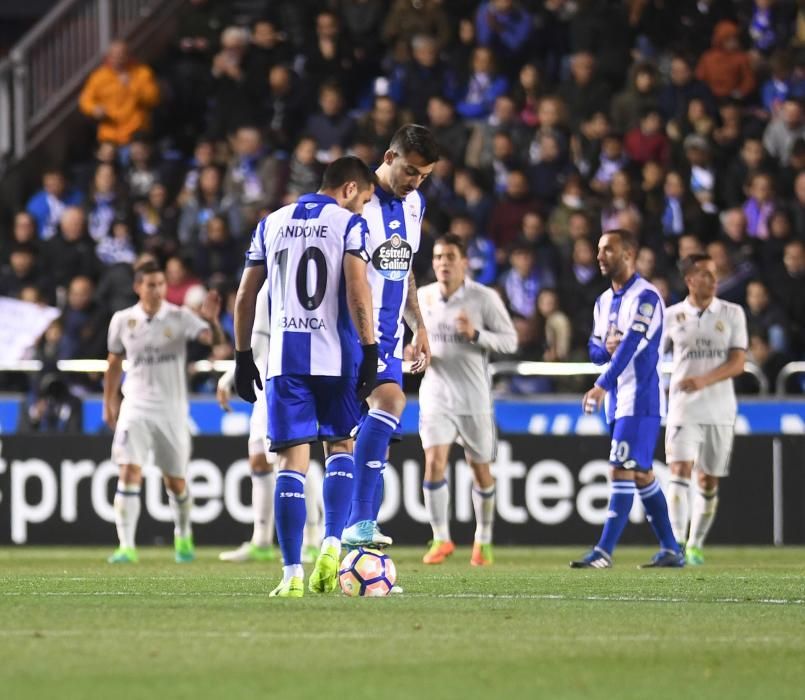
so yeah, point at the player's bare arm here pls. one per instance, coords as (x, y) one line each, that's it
(359, 298)
(731, 367)
(112, 380)
(211, 312)
(413, 317)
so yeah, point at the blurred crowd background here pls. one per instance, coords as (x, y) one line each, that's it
(680, 120)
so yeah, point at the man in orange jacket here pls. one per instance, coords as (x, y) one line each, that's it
(119, 95)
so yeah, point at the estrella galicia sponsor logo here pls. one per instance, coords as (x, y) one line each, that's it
(392, 258)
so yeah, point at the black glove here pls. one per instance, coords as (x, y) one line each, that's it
(246, 375)
(367, 372)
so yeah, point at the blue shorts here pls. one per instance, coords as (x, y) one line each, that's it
(305, 409)
(633, 441)
(391, 373)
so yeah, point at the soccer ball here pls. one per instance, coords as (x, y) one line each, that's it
(367, 572)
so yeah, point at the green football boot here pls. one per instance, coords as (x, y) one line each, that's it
(185, 552)
(294, 587)
(324, 578)
(124, 555)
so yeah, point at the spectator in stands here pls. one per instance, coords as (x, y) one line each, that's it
(553, 333)
(552, 120)
(798, 204)
(179, 278)
(284, 108)
(143, 169)
(84, 323)
(409, 18)
(611, 160)
(760, 205)
(304, 170)
(735, 234)
(781, 233)
(423, 77)
(71, 252)
(580, 285)
(769, 25)
(329, 58)
(118, 246)
(787, 284)
(157, 218)
(219, 254)
(479, 152)
(571, 201)
(230, 103)
(507, 216)
(480, 251)
(378, 126)
(23, 270)
(784, 130)
(483, 86)
(505, 28)
(120, 96)
(646, 262)
(680, 212)
(780, 84)
(702, 182)
(47, 205)
(252, 178)
(549, 175)
(505, 160)
(527, 93)
(207, 201)
(52, 408)
(726, 68)
(761, 353)
(748, 162)
(473, 200)
(332, 127)
(23, 232)
(621, 200)
(682, 87)
(450, 133)
(765, 316)
(647, 141)
(639, 98)
(267, 48)
(731, 276)
(584, 94)
(203, 155)
(104, 202)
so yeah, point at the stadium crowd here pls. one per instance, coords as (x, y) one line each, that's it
(680, 121)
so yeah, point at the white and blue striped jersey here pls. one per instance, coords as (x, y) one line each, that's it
(395, 227)
(302, 246)
(632, 377)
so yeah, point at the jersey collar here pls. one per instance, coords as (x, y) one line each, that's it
(159, 315)
(316, 198)
(626, 286)
(715, 307)
(384, 196)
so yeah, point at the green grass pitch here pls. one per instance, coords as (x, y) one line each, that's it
(72, 626)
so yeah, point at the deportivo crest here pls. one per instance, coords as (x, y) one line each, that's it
(392, 258)
(646, 309)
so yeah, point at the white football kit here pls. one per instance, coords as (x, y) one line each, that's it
(455, 397)
(701, 424)
(154, 413)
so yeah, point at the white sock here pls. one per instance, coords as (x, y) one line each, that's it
(483, 503)
(314, 523)
(180, 507)
(437, 500)
(291, 571)
(127, 512)
(263, 508)
(331, 542)
(679, 506)
(703, 513)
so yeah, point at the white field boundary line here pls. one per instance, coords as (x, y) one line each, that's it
(442, 596)
(774, 640)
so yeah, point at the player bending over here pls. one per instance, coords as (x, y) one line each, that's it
(627, 332)
(153, 335)
(317, 374)
(394, 216)
(709, 340)
(465, 321)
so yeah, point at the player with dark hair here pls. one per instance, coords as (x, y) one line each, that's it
(627, 333)
(394, 216)
(153, 416)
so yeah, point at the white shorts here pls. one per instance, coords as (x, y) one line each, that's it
(258, 430)
(476, 433)
(709, 447)
(158, 439)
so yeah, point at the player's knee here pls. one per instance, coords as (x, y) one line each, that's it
(482, 475)
(339, 447)
(435, 469)
(131, 474)
(175, 484)
(682, 469)
(643, 478)
(389, 398)
(707, 482)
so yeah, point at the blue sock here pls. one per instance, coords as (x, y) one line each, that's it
(290, 514)
(339, 478)
(620, 503)
(370, 456)
(380, 490)
(657, 515)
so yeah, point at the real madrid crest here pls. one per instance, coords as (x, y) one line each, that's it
(131, 323)
(168, 333)
(720, 326)
(680, 317)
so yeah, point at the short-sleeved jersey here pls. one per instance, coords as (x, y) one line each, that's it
(302, 246)
(156, 350)
(457, 380)
(395, 227)
(633, 384)
(701, 342)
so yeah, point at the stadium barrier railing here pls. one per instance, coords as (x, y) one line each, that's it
(497, 369)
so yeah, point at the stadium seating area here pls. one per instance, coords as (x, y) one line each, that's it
(683, 122)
